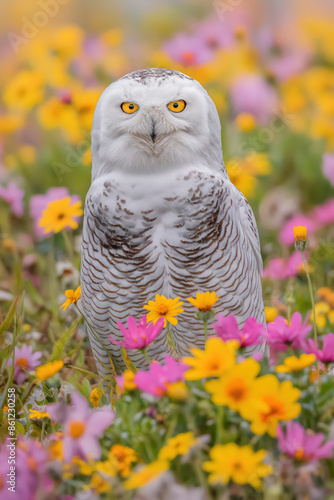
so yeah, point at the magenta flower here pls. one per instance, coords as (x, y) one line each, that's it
(250, 334)
(324, 214)
(39, 203)
(82, 426)
(138, 337)
(286, 236)
(297, 443)
(189, 50)
(328, 167)
(252, 94)
(326, 354)
(30, 470)
(25, 359)
(282, 269)
(156, 380)
(280, 335)
(13, 195)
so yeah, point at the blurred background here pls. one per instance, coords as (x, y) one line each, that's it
(268, 66)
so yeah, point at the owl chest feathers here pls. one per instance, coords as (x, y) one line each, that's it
(148, 221)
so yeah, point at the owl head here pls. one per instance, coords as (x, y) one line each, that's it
(155, 120)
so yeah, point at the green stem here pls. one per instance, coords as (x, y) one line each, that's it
(202, 480)
(312, 300)
(68, 245)
(171, 340)
(205, 323)
(143, 350)
(43, 430)
(219, 425)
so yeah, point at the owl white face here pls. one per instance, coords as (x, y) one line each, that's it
(150, 120)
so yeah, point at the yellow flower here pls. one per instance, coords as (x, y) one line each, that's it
(67, 41)
(10, 123)
(294, 364)
(27, 154)
(204, 301)
(146, 474)
(127, 382)
(177, 391)
(273, 402)
(98, 484)
(239, 464)
(326, 294)
(112, 37)
(323, 313)
(56, 451)
(72, 297)
(218, 358)
(125, 457)
(245, 122)
(38, 414)
(56, 113)
(24, 91)
(48, 370)
(234, 388)
(60, 214)
(271, 313)
(164, 308)
(84, 103)
(95, 395)
(178, 445)
(300, 233)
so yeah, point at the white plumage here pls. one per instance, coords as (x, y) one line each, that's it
(162, 216)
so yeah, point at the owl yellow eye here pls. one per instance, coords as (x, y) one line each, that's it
(177, 106)
(129, 107)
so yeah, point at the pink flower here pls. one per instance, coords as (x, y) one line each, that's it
(286, 236)
(324, 214)
(326, 354)
(13, 195)
(156, 380)
(138, 337)
(297, 443)
(39, 202)
(282, 269)
(189, 50)
(30, 470)
(82, 426)
(25, 359)
(252, 94)
(328, 167)
(250, 334)
(280, 335)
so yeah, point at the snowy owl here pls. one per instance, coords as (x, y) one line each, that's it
(162, 216)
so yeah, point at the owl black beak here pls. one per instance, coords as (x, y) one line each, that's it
(153, 133)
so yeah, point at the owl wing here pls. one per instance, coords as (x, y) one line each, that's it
(249, 226)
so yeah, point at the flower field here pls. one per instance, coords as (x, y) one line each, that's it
(231, 421)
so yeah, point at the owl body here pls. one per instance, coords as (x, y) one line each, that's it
(166, 226)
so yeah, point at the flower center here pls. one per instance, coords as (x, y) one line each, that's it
(205, 308)
(32, 464)
(237, 389)
(299, 455)
(22, 363)
(276, 409)
(60, 216)
(77, 428)
(188, 57)
(237, 466)
(162, 309)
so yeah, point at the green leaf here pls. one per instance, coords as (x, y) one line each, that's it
(61, 343)
(9, 318)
